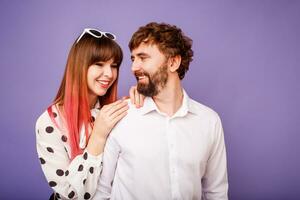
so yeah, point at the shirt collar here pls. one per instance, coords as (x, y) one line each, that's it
(149, 105)
(187, 106)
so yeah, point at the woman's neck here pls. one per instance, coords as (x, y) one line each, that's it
(92, 101)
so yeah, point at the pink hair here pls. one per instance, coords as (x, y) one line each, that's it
(72, 97)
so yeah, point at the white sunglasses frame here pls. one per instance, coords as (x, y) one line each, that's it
(88, 30)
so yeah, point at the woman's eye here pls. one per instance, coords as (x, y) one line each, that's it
(114, 65)
(99, 64)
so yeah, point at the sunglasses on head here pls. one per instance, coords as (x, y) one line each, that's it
(96, 33)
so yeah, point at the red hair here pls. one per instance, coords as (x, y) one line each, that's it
(72, 97)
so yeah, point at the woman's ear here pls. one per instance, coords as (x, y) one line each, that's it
(174, 63)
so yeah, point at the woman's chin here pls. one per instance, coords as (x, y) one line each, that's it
(102, 92)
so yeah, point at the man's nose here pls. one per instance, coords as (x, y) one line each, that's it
(136, 65)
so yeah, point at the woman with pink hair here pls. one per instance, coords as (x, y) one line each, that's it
(72, 132)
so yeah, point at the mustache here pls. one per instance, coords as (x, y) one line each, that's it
(140, 73)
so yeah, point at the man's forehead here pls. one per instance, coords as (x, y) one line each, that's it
(145, 48)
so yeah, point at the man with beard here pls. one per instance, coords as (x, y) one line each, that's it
(172, 147)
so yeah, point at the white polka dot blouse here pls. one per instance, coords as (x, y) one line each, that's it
(70, 179)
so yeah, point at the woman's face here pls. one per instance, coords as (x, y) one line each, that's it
(100, 76)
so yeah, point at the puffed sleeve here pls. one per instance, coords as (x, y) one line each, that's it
(70, 179)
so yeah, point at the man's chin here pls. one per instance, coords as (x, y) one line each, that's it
(141, 85)
(142, 89)
(146, 90)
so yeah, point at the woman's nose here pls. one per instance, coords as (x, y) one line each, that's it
(108, 71)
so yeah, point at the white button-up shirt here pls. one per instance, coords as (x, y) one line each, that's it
(150, 155)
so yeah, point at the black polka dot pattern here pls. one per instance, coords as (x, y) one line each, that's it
(59, 172)
(42, 161)
(55, 151)
(80, 168)
(91, 170)
(85, 156)
(64, 138)
(71, 194)
(52, 183)
(49, 129)
(50, 149)
(87, 195)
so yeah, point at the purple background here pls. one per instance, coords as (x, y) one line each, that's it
(245, 67)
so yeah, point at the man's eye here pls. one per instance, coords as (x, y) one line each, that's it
(114, 65)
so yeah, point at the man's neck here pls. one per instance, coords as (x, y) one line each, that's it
(169, 99)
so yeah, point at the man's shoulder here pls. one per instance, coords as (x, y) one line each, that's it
(132, 113)
(133, 110)
(202, 110)
(128, 122)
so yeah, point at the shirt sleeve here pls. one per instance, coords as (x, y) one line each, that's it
(215, 181)
(70, 179)
(110, 159)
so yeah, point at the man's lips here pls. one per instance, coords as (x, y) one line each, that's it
(140, 76)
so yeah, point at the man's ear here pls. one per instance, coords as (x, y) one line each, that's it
(174, 63)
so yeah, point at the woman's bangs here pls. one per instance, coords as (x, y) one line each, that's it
(105, 50)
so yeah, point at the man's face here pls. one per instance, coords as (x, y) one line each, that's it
(150, 68)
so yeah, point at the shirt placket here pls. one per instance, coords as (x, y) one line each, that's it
(173, 167)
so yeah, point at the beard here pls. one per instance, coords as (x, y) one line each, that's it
(156, 81)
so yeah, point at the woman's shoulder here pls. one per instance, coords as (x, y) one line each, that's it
(49, 124)
(50, 132)
(45, 118)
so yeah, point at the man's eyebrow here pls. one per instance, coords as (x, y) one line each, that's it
(142, 54)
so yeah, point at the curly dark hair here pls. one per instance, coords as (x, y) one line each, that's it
(170, 40)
